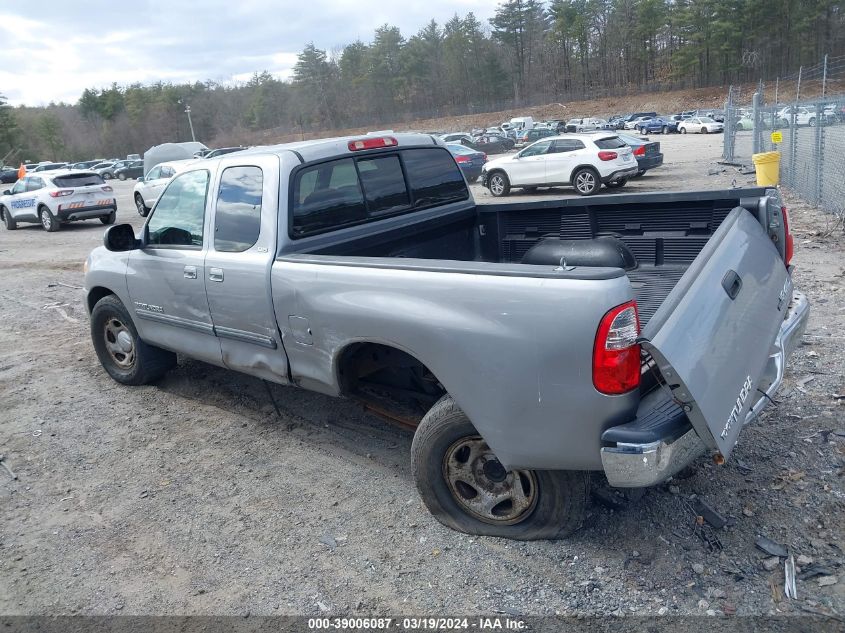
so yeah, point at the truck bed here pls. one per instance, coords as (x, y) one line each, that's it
(665, 232)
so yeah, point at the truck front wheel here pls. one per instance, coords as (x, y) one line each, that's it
(467, 489)
(122, 353)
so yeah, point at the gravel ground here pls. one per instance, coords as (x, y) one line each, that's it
(192, 497)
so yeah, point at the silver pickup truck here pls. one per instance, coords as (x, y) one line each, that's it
(526, 343)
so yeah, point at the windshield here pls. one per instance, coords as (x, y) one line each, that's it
(706, 119)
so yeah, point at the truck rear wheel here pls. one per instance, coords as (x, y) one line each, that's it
(49, 221)
(122, 353)
(467, 489)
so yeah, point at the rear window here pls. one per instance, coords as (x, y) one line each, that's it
(611, 142)
(78, 180)
(350, 191)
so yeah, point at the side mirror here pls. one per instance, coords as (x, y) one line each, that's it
(120, 237)
(7, 192)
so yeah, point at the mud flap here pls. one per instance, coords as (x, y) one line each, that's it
(712, 336)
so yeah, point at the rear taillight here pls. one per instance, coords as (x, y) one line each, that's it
(640, 151)
(462, 159)
(61, 193)
(372, 143)
(608, 155)
(616, 354)
(107, 188)
(789, 242)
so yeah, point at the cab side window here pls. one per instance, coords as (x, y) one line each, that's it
(154, 173)
(178, 217)
(20, 186)
(34, 184)
(237, 221)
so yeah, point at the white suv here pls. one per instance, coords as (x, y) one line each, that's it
(584, 161)
(149, 188)
(53, 198)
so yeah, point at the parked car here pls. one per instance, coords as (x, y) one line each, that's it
(529, 136)
(86, 164)
(585, 125)
(629, 121)
(130, 169)
(56, 197)
(50, 167)
(106, 169)
(8, 175)
(469, 160)
(657, 124)
(456, 137)
(700, 125)
(487, 143)
(541, 347)
(803, 116)
(616, 122)
(149, 188)
(584, 161)
(646, 152)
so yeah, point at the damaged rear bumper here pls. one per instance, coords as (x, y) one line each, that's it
(637, 464)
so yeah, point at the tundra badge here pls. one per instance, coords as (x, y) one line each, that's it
(740, 401)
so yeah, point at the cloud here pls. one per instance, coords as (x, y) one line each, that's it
(72, 46)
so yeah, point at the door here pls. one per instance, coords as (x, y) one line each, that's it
(237, 268)
(529, 166)
(23, 204)
(563, 156)
(712, 336)
(166, 277)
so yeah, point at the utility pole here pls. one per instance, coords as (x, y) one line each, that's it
(190, 123)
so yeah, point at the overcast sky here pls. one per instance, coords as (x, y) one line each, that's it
(52, 51)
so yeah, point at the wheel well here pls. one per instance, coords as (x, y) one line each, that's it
(388, 381)
(574, 171)
(94, 295)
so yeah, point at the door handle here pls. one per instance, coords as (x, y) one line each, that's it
(215, 274)
(190, 272)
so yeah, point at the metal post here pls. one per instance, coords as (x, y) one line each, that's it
(190, 123)
(824, 77)
(777, 85)
(818, 152)
(798, 90)
(755, 108)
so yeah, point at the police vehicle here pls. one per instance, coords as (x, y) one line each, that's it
(57, 197)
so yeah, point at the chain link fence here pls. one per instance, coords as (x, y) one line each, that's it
(809, 134)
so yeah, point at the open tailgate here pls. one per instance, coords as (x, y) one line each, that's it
(712, 336)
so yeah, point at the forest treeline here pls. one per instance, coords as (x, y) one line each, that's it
(529, 52)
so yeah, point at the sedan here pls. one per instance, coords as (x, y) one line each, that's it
(8, 175)
(700, 125)
(646, 152)
(470, 161)
(131, 169)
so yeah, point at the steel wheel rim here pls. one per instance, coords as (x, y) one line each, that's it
(46, 220)
(497, 185)
(139, 204)
(585, 181)
(483, 488)
(120, 343)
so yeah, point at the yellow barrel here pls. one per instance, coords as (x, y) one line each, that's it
(767, 166)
